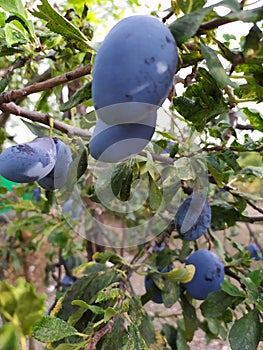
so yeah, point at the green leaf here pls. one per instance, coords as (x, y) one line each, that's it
(202, 100)
(216, 303)
(230, 158)
(21, 304)
(83, 94)
(37, 129)
(190, 5)
(155, 194)
(60, 25)
(254, 15)
(232, 290)
(8, 337)
(224, 215)
(233, 5)
(190, 318)
(170, 334)
(255, 118)
(170, 293)
(215, 67)
(51, 329)
(245, 333)
(109, 256)
(185, 27)
(3, 84)
(215, 169)
(109, 313)
(108, 294)
(13, 6)
(135, 340)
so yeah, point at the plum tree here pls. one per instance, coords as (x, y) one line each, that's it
(193, 217)
(151, 287)
(57, 177)
(113, 143)
(209, 274)
(254, 250)
(134, 65)
(29, 161)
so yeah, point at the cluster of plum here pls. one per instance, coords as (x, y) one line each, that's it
(132, 76)
(191, 221)
(45, 160)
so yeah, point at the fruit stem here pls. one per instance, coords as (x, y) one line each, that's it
(51, 126)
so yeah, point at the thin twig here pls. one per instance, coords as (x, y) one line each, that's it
(43, 119)
(13, 95)
(19, 63)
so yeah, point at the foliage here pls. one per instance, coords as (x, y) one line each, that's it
(124, 227)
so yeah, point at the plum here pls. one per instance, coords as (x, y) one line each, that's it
(114, 143)
(67, 282)
(29, 161)
(193, 217)
(134, 68)
(254, 250)
(209, 274)
(72, 207)
(156, 293)
(57, 178)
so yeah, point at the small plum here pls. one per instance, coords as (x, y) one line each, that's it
(156, 293)
(29, 161)
(193, 217)
(254, 250)
(57, 178)
(209, 274)
(67, 282)
(73, 208)
(114, 143)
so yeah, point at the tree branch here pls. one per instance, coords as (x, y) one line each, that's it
(20, 62)
(213, 24)
(43, 119)
(13, 95)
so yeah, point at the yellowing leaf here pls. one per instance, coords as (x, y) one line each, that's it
(180, 274)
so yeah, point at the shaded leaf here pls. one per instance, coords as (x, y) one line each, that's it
(60, 25)
(216, 303)
(215, 67)
(83, 94)
(155, 194)
(185, 27)
(232, 290)
(245, 333)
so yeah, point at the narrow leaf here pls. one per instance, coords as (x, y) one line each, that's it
(185, 27)
(215, 67)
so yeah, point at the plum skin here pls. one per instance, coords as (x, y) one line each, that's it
(72, 207)
(29, 161)
(209, 274)
(254, 250)
(135, 64)
(199, 227)
(114, 143)
(156, 292)
(57, 177)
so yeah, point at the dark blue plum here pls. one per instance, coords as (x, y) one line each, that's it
(156, 293)
(209, 274)
(193, 217)
(29, 161)
(67, 282)
(36, 194)
(74, 209)
(57, 178)
(254, 250)
(114, 143)
(135, 64)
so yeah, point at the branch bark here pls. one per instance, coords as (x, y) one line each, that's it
(13, 95)
(71, 131)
